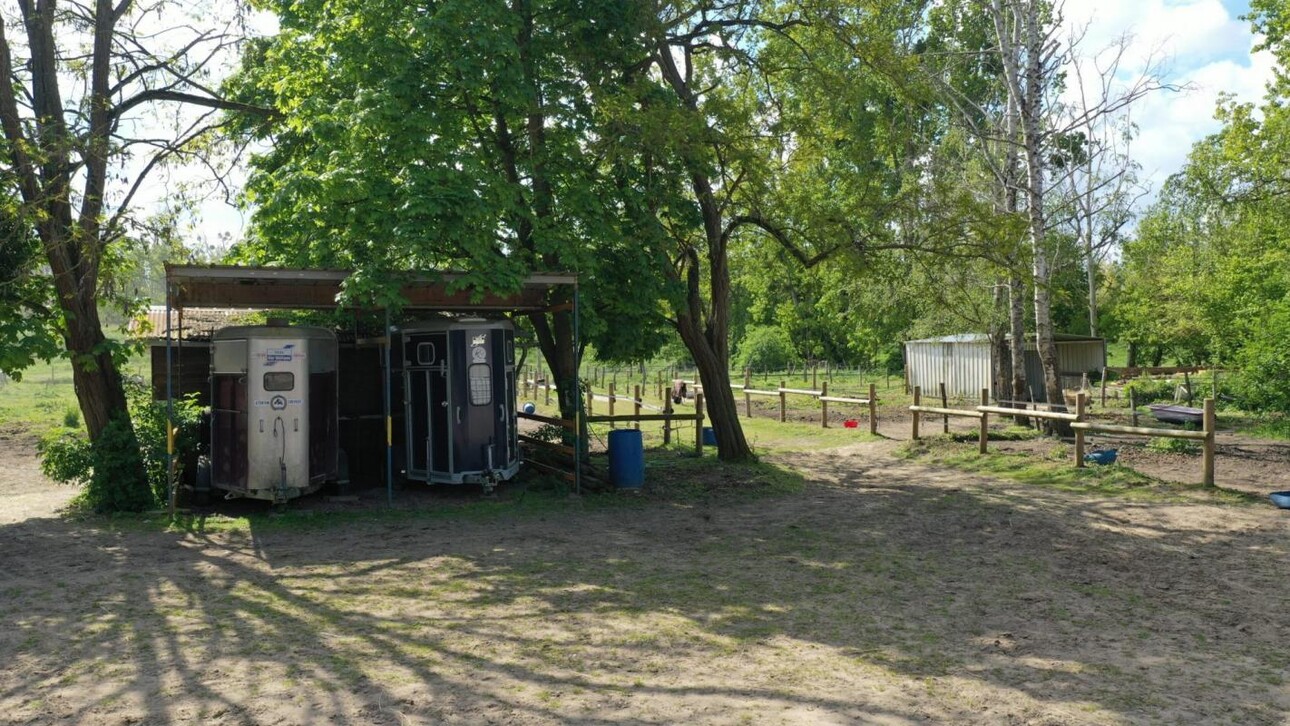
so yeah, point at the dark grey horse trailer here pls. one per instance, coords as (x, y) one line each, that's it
(459, 401)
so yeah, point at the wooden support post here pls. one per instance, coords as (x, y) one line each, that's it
(667, 425)
(636, 404)
(945, 403)
(548, 390)
(824, 406)
(1103, 386)
(698, 424)
(1187, 385)
(873, 409)
(918, 399)
(591, 401)
(985, 422)
(1133, 406)
(783, 402)
(1081, 400)
(1210, 430)
(612, 399)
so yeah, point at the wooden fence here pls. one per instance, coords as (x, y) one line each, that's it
(1079, 422)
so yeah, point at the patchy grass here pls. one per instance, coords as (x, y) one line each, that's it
(44, 399)
(1056, 471)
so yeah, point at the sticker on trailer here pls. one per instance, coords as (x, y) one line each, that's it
(279, 355)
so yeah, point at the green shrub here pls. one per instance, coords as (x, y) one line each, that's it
(108, 470)
(71, 418)
(766, 348)
(1264, 382)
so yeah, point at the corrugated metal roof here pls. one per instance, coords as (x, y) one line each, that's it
(978, 337)
(199, 323)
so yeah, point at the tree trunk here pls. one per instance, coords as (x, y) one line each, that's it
(1017, 341)
(555, 340)
(1133, 354)
(100, 390)
(722, 410)
(1090, 271)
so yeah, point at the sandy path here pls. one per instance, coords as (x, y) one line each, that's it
(887, 592)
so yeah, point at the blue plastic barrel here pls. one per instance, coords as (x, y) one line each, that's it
(709, 436)
(626, 458)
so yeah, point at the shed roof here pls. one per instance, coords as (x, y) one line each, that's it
(232, 286)
(982, 337)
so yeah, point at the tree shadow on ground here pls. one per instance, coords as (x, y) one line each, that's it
(884, 592)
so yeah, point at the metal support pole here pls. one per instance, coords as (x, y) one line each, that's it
(389, 416)
(581, 422)
(170, 416)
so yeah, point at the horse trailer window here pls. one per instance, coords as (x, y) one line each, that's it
(425, 353)
(481, 384)
(279, 381)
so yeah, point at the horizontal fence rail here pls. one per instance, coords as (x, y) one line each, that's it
(1078, 423)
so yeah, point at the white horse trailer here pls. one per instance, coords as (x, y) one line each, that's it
(274, 418)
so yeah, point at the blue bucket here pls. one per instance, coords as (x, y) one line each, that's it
(1105, 456)
(528, 407)
(709, 436)
(626, 458)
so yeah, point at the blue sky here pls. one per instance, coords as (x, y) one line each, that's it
(1202, 43)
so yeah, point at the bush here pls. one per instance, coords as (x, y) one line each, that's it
(766, 348)
(1146, 390)
(71, 417)
(108, 469)
(1264, 382)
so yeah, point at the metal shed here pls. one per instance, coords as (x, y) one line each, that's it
(964, 363)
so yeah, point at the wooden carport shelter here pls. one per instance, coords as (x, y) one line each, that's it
(259, 288)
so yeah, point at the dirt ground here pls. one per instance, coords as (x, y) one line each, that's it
(885, 592)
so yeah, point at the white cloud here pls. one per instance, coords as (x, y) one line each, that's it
(1206, 50)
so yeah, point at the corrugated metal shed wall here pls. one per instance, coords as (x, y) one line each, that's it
(963, 366)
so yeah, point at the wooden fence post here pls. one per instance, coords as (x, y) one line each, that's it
(667, 425)
(824, 405)
(783, 402)
(815, 376)
(636, 404)
(985, 421)
(1133, 406)
(747, 395)
(917, 402)
(612, 400)
(1103, 386)
(547, 382)
(1081, 399)
(873, 409)
(945, 403)
(1210, 426)
(591, 401)
(698, 424)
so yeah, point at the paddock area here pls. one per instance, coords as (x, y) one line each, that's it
(865, 587)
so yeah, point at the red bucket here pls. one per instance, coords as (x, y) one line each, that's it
(850, 424)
